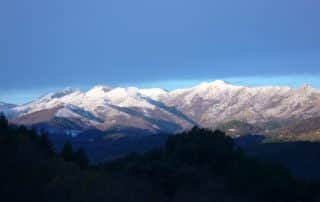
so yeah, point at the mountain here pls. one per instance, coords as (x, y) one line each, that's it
(209, 105)
(6, 107)
(218, 102)
(236, 128)
(102, 108)
(302, 130)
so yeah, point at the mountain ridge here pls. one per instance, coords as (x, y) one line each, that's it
(208, 105)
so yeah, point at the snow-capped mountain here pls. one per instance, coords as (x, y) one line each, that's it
(6, 107)
(218, 102)
(104, 108)
(157, 110)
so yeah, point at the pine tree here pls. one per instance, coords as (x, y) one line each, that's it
(3, 122)
(67, 152)
(46, 144)
(81, 159)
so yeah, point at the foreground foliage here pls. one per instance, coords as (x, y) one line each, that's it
(198, 165)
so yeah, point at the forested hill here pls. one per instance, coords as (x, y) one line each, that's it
(199, 165)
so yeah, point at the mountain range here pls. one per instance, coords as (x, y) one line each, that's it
(133, 110)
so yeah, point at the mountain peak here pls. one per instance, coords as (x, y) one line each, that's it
(207, 104)
(98, 91)
(2, 103)
(6, 105)
(306, 86)
(219, 83)
(61, 93)
(216, 83)
(69, 90)
(154, 93)
(103, 88)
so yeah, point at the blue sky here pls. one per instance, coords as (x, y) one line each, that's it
(47, 45)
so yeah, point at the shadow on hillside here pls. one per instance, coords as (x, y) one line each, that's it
(302, 158)
(163, 124)
(248, 140)
(100, 149)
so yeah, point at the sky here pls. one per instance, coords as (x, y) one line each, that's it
(47, 45)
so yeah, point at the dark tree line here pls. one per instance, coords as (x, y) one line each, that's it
(198, 165)
(79, 157)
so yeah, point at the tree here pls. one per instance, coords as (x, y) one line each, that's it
(67, 152)
(3, 121)
(46, 144)
(81, 159)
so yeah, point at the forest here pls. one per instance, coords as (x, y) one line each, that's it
(197, 165)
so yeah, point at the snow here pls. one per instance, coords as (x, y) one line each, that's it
(67, 113)
(74, 112)
(126, 97)
(6, 105)
(206, 103)
(98, 91)
(50, 100)
(154, 93)
(220, 83)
